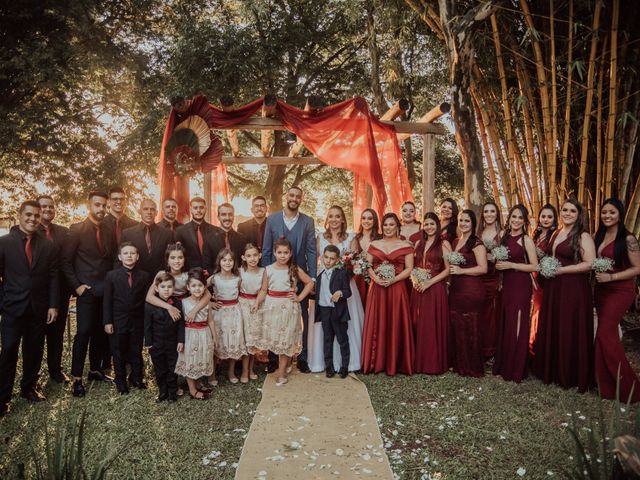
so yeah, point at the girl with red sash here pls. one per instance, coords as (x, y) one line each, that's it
(251, 281)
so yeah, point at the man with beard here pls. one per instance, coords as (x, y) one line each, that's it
(253, 229)
(28, 301)
(116, 219)
(149, 239)
(169, 215)
(87, 257)
(227, 237)
(299, 229)
(55, 331)
(199, 237)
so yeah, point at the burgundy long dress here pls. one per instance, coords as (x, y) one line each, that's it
(489, 314)
(563, 350)
(536, 299)
(387, 340)
(363, 286)
(612, 301)
(466, 296)
(512, 347)
(430, 315)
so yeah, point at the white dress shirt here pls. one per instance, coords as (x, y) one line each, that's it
(290, 222)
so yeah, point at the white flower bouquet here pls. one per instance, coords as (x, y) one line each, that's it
(456, 258)
(420, 276)
(489, 244)
(501, 253)
(540, 253)
(386, 271)
(549, 266)
(602, 264)
(361, 266)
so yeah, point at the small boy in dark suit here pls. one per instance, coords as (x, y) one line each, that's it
(165, 337)
(332, 287)
(125, 290)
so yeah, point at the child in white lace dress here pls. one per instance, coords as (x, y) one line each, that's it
(251, 274)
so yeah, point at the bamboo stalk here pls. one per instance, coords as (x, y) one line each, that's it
(567, 109)
(554, 101)
(611, 121)
(599, 174)
(630, 152)
(632, 220)
(589, 101)
(487, 151)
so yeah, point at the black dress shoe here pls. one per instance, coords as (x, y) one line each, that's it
(162, 397)
(344, 372)
(172, 398)
(78, 389)
(99, 377)
(124, 391)
(303, 367)
(271, 367)
(139, 385)
(60, 377)
(33, 396)
(330, 372)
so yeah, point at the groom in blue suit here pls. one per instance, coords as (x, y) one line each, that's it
(300, 230)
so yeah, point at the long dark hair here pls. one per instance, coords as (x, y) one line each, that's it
(553, 228)
(525, 217)
(293, 269)
(483, 224)
(395, 219)
(437, 241)
(452, 228)
(375, 230)
(473, 238)
(620, 252)
(221, 254)
(577, 230)
(174, 247)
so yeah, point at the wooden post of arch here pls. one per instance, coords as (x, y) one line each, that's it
(428, 172)
(268, 110)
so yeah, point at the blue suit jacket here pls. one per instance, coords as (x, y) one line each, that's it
(304, 251)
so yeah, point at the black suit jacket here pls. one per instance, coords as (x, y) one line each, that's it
(125, 222)
(60, 235)
(160, 329)
(21, 286)
(123, 306)
(164, 224)
(152, 262)
(82, 262)
(237, 241)
(252, 231)
(186, 235)
(339, 281)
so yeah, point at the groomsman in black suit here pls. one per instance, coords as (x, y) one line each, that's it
(55, 331)
(149, 239)
(199, 238)
(169, 215)
(227, 237)
(253, 229)
(28, 301)
(87, 257)
(116, 219)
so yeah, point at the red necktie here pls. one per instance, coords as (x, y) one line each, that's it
(147, 238)
(118, 230)
(99, 240)
(200, 240)
(27, 250)
(130, 278)
(173, 226)
(227, 245)
(47, 230)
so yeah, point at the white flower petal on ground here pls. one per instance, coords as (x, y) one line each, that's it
(339, 452)
(521, 471)
(206, 461)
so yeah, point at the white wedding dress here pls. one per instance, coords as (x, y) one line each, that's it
(315, 338)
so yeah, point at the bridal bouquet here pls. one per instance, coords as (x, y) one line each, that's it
(420, 276)
(361, 266)
(386, 271)
(549, 266)
(500, 253)
(456, 258)
(602, 264)
(346, 261)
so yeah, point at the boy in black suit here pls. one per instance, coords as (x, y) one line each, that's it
(332, 287)
(165, 337)
(125, 289)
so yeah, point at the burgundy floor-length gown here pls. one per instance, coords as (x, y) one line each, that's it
(387, 343)
(430, 316)
(489, 313)
(466, 297)
(363, 286)
(563, 350)
(536, 299)
(512, 346)
(612, 300)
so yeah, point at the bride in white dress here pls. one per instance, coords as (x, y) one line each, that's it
(336, 230)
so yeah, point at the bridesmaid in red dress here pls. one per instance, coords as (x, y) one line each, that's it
(512, 347)
(490, 232)
(410, 229)
(449, 219)
(614, 293)
(369, 231)
(563, 350)
(466, 296)
(429, 303)
(547, 224)
(387, 343)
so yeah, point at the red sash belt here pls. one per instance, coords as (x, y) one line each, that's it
(250, 296)
(278, 294)
(226, 303)
(196, 325)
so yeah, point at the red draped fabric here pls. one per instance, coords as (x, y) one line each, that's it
(345, 135)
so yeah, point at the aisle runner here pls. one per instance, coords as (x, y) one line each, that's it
(314, 427)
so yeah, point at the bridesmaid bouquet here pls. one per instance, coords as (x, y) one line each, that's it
(386, 271)
(489, 244)
(500, 253)
(420, 276)
(456, 258)
(602, 264)
(360, 266)
(549, 266)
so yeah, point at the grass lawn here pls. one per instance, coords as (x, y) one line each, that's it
(433, 427)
